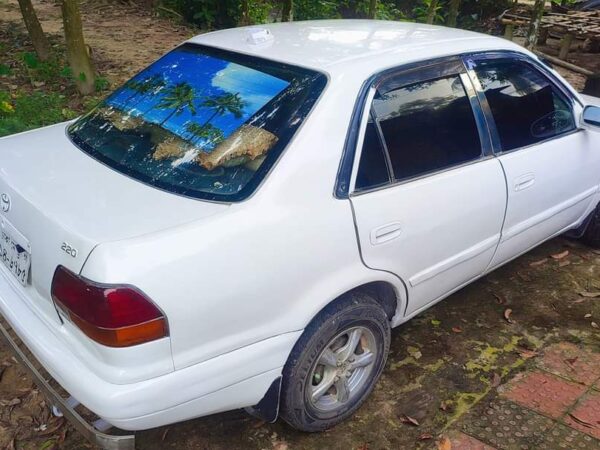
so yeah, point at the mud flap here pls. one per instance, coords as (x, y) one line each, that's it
(268, 408)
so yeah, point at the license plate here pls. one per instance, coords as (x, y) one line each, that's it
(14, 257)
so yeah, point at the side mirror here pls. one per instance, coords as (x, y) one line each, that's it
(591, 117)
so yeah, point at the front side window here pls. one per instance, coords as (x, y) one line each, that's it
(200, 122)
(525, 105)
(427, 126)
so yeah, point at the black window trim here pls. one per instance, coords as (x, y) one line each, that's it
(405, 76)
(267, 168)
(557, 84)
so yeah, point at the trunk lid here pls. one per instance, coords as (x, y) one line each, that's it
(60, 199)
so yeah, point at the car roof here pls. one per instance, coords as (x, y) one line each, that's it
(337, 45)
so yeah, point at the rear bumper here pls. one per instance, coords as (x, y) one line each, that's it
(102, 440)
(233, 380)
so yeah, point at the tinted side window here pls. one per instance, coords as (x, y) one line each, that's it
(372, 169)
(526, 107)
(428, 126)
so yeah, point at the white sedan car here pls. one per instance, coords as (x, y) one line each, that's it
(242, 223)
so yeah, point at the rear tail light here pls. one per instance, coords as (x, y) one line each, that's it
(113, 315)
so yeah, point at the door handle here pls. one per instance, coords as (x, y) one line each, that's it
(524, 182)
(385, 233)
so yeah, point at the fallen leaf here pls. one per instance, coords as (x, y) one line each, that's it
(363, 447)
(524, 276)
(164, 434)
(13, 402)
(594, 325)
(444, 444)
(587, 316)
(496, 380)
(409, 420)
(560, 255)
(457, 329)
(589, 294)
(280, 445)
(425, 437)
(414, 352)
(538, 263)
(564, 263)
(580, 421)
(500, 299)
(507, 314)
(435, 323)
(526, 353)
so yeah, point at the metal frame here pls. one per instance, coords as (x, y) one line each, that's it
(351, 155)
(103, 440)
(470, 61)
(404, 76)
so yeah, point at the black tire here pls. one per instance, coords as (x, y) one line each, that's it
(355, 310)
(591, 236)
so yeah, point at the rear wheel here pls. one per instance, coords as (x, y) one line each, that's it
(335, 364)
(591, 236)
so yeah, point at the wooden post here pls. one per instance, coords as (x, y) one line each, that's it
(543, 38)
(509, 31)
(565, 46)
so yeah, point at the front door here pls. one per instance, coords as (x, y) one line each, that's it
(551, 167)
(429, 198)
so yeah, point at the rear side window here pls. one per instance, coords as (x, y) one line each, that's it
(428, 126)
(372, 169)
(526, 107)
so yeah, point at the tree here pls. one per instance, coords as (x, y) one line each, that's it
(372, 9)
(77, 52)
(207, 131)
(287, 11)
(432, 11)
(534, 25)
(36, 34)
(144, 87)
(245, 17)
(453, 13)
(178, 98)
(226, 103)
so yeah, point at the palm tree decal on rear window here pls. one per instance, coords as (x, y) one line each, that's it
(194, 120)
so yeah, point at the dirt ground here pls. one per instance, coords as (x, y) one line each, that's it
(443, 365)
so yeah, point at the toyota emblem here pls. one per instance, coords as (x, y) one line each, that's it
(5, 202)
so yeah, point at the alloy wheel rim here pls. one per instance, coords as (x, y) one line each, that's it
(342, 370)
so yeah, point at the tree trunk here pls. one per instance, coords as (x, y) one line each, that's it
(431, 12)
(453, 13)
(77, 52)
(372, 9)
(36, 34)
(245, 19)
(534, 25)
(287, 11)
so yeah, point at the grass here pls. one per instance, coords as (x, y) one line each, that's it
(36, 93)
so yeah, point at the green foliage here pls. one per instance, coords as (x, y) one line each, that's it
(210, 13)
(421, 11)
(310, 9)
(101, 84)
(4, 69)
(25, 111)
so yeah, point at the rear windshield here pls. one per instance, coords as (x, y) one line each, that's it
(200, 122)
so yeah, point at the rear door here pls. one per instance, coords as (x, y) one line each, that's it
(429, 197)
(551, 167)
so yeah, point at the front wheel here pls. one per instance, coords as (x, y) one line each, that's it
(335, 364)
(591, 236)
